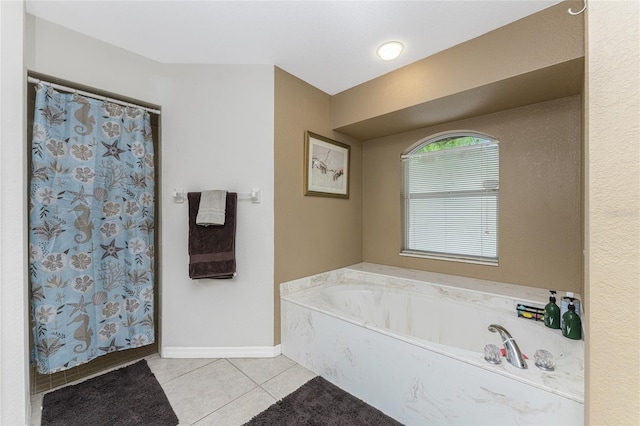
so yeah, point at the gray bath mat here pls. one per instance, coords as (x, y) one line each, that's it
(128, 396)
(320, 403)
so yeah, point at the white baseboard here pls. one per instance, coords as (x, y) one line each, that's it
(222, 352)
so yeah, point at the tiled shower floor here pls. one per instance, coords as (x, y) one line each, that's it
(45, 382)
(218, 391)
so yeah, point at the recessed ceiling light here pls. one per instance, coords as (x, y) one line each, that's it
(390, 50)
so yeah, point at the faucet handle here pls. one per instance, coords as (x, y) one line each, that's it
(492, 354)
(544, 360)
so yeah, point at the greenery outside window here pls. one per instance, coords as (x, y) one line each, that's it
(450, 198)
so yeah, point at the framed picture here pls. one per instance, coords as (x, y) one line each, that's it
(326, 167)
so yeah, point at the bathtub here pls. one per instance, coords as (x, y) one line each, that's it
(411, 343)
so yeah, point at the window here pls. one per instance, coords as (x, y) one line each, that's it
(450, 198)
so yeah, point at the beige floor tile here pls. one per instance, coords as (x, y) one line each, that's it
(262, 369)
(36, 408)
(166, 369)
(285, 383)
(200, 392)
(217, 392)
(239, 411)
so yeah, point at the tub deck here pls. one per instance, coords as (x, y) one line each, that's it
(352, 325)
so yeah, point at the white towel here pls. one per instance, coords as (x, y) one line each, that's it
(212, 208)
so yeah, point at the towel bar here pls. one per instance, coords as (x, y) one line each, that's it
(255, 195)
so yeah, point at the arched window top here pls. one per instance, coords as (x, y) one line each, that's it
(449, 140)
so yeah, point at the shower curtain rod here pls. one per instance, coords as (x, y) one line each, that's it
(91, 95)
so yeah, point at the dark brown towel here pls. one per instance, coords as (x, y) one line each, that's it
(212, 249)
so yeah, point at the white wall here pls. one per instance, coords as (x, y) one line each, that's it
(216, 133)
(56, 51)
(219, 135)
(14, 361)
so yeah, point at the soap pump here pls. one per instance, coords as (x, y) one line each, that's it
(552, 312)
(571, 323)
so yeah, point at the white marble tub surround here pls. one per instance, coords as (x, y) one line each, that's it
(411, 343)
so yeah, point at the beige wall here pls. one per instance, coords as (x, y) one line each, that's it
(540, 209)
(613, 218)
(534, 59)
(312, 234)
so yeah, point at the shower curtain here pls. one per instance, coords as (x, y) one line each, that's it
(91, 229)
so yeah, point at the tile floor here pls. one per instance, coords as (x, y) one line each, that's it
(222, 392)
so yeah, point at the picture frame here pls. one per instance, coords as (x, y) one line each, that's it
(326, 167)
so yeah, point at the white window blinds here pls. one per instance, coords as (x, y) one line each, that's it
(450, 202)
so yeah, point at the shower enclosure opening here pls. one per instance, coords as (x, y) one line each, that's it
(92, 232)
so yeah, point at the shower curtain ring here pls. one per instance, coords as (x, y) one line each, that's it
(584, 7)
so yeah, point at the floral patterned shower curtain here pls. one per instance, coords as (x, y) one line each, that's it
(91, 229)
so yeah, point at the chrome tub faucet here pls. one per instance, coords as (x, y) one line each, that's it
(512, 351)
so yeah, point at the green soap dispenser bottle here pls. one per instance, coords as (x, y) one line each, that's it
(571, 324)
(552, 312)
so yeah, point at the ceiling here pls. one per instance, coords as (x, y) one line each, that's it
(329, 44)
